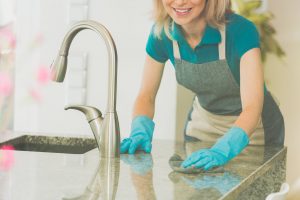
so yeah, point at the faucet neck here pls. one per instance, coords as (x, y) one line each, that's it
(112, 53)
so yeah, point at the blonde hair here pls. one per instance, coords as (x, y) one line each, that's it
(214, 13)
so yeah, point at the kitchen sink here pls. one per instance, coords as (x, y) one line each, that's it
(69, 145)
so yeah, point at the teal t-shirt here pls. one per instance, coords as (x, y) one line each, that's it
(241, 36)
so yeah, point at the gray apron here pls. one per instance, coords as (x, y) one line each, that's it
(218, 95)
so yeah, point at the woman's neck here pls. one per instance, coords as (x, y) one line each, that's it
(193, 32)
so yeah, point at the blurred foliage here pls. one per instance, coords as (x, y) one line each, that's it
(249, 9)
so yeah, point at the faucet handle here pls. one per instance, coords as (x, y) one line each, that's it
(90, 112)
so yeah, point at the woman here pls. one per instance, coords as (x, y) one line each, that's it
(215, 54)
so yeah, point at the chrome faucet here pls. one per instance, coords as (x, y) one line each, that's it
(106, 130)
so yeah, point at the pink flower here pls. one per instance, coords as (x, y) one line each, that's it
(6, 84)
(39, 39)
(8, 36)
(6, 157)
(44, 75)
(35, 94)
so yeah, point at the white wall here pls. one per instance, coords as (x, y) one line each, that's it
(129, 23)
(283, 77)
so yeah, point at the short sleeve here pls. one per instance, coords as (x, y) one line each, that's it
(156, 49)
(246, 38)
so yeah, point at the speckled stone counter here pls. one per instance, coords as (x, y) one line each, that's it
(255, 173)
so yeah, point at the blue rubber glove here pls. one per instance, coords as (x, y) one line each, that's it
(142, 128)
(226, 148)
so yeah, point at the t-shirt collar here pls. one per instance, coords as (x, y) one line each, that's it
(211, 35)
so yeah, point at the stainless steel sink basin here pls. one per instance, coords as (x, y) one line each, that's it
(70, 145)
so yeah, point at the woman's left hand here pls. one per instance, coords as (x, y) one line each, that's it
(206, 158)
(226, 148)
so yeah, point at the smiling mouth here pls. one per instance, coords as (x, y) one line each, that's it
(182, 11)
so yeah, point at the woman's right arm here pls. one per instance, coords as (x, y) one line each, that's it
(145, 101)
(142, 125)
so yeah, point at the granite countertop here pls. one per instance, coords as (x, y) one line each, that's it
(51, 176)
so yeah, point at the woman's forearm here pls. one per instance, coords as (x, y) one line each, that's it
(252, 90)
(249, 119)
(145, 101)
(144, 105)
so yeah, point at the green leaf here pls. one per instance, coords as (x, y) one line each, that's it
(268, 44)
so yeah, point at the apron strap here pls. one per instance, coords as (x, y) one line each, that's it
(176, 52)
(222, 45)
